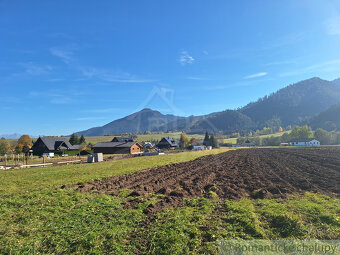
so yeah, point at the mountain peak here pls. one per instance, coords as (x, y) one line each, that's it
(337, 81)
(147, 110)
(289, 106)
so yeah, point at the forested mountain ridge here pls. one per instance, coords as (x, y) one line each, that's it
(328, 120)
(295, 104)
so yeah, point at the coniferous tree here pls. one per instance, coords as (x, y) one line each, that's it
(82, 139)
(206, 140)
(213, 141)
(74, 139)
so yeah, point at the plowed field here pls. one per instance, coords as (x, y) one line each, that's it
(258, 173)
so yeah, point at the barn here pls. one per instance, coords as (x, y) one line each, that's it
(49, 144)
(118, 148)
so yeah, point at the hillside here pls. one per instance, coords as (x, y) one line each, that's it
(144, 120)
(293, 104)
(337, 81)
(328, 120)
(226, 121)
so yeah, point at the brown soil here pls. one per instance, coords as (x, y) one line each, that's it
(258, 173)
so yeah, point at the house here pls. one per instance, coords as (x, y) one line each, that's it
(50, 144)
(167, 143)
(122, 139)
(198, 148)
(148, 145)
(118, 148)
(305, 142)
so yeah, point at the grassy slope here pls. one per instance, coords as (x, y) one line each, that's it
(234, 140)
(38, 217)
(141, 138)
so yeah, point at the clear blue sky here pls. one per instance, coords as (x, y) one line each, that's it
(67, 66)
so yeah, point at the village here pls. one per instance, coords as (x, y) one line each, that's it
(53, 151)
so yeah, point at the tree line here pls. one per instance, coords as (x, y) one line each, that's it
(297, 133)
(25, 143)
(186, 142)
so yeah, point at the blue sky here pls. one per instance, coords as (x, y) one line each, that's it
(67, 66)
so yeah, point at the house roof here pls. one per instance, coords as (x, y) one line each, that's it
(170, 140)
(122, 139)
(77, 146)
(115, 144)
(302, 140)
(53, 143)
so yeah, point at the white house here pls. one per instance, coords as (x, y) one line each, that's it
(198, 148)
(305, 142)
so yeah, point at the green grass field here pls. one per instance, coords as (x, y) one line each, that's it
(141, 137)
(37, 217)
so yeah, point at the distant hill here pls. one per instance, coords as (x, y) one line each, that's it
(226, 121)
(11, 136)
(337, 81)
(144, 120)
(328, 120)
(296, 104)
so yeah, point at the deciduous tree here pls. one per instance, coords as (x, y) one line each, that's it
(5, 146)
(25, 140)
(184, 141)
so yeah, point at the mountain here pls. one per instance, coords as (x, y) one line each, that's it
(144, 120)
(328, 120)
(11, 136)
(295, 103)
(337, 81)
(227, 121)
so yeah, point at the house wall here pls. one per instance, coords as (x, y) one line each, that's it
(300, 144)
(163, 145)
(111, 150)
(311, 143)
(135, 149)
(39, 148)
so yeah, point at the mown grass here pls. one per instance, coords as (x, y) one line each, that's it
(37, 217)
